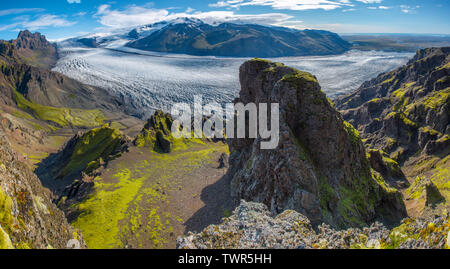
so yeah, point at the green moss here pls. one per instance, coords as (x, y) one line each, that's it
(444, 79)
(62, 117)
(447, 66)
(6, 220)
(400, 234)
(388, 80)
(159, 128)
(327, 196)
(260, 60)
(93, 145)
(127, 206)
(375, 100)
(354, 135)
(430, 131)
(443, 138)
(399, 93)
(402, 117)
(355, 203)
(22, 115)
(437, 99)
(381, 182)
(297, 78)
(102, 211)
(5, 241)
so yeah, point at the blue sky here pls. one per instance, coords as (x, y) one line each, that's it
(67, 18)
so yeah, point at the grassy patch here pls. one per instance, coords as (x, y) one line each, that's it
(62, 117)
(95, 144)
(127, 207)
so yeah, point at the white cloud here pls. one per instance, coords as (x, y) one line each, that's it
(285, 4)
(74, 1)
(46, 21)
(136, 15)
(370, 1)
(408, 9)
(380, 7)
(13, 11)
(43, 21)
(79, 14)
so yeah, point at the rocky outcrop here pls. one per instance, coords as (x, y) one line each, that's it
(28, 218)
(320, 168)
(157, 133)
(405, 112)
(34, 49)
(405, 115)
(71, 172)
(84, 154)
(39, 86)
(252, 226)
(227, 39)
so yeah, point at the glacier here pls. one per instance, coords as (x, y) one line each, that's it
(148, 81)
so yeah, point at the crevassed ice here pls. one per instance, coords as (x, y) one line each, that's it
(155, 81)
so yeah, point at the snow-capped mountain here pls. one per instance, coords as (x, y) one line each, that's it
(196, 37)
(118, 38)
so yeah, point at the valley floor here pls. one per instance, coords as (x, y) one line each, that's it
(146, 200)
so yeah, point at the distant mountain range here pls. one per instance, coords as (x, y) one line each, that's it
(194, 37)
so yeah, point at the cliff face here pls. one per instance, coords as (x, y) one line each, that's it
(27, 85)
(34, 49)
(409, 105)
(320, 168)
(28, 218)
(40, 85)
(405, 115)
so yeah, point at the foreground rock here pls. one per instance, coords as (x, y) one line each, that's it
(320, 167)
(252, 226)
(28, 218)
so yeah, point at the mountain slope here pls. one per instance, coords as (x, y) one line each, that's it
(35, 49)
(122, 195)
(197, 38)
(28, 218)
(405, 115)
(42, 109)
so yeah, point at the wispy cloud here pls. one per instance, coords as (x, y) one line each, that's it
(15, 11)
(74, 1)
(136, 15)
(40, 22)
(380, 7)
(285, 4)
(370, 1)
(409, 9)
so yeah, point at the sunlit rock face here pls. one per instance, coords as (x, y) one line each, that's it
(319, 168)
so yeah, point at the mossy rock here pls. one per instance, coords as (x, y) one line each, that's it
(92, 148)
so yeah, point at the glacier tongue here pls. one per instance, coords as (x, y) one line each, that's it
(150, 80)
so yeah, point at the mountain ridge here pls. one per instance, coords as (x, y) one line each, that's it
(240, 40)
(404, 114)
